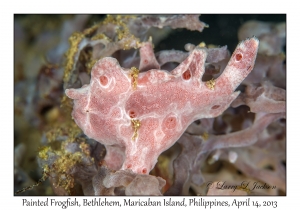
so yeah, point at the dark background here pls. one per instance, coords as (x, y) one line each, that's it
(222, 30)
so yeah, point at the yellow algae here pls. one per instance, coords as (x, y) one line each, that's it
(211, 84)
(134, 75)
(136, 124)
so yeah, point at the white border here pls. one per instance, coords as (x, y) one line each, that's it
(8, 201)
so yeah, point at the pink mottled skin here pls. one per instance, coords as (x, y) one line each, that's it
(165, 103)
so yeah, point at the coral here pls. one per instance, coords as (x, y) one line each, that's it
(144, 120)
(264, 98)
(75, 164)
(272, 36)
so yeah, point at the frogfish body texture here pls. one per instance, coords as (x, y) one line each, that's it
(137, 116)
